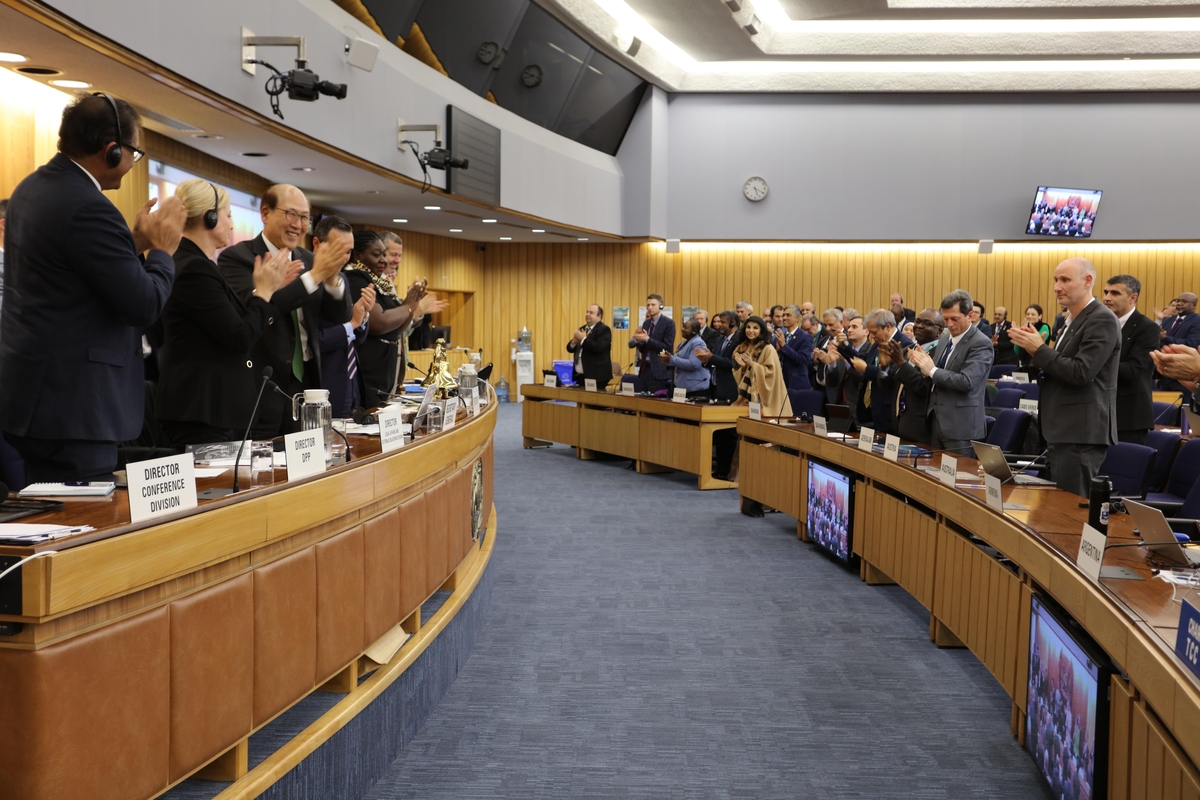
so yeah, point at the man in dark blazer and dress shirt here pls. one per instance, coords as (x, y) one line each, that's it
(1078, 404)
(339, 343)
(877, 391)
(591, 345)
(1182, 328)
(291, 345)
(656, 333)
(77, 297)
(911, 406)
(707, 334)
(795, 348)
(958, 370)
(1135, 375)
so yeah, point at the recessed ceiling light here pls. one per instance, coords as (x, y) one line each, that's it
(582, 239)
(213, 136)
(489, 220)
(302, 169)
(433, 208)
(12, 58)
(399, 220)
(506, 238)
(538, 230)
(38, 71)
(68, 84)
(456, 230)
(374, 191)
(256, 155)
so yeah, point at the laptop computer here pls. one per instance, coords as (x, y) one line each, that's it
(1158, 536)
(994, 464)
(838, 419)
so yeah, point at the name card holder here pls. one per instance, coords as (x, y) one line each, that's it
(162, 486)
(391, 430)
(627, 388)
(550, 381)
(305, 451)
(589, 384)
(450, 415)
(820, 427)
(949, 470)
(891, 447)
(992, 487)
(756, 411)
(1187, 641)
(679, 395)
(1029, 405)
(1019, 377)
(1091, 552)
(866, 440)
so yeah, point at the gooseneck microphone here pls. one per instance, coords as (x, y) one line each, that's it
(266, 378)
(1032, 463)
(418, 369)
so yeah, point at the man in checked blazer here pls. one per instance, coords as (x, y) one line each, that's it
(1078, 404)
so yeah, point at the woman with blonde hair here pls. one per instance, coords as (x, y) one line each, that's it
(758, 373)
(209, 383)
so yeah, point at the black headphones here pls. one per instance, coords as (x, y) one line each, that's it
(112, 156)
(210, 216)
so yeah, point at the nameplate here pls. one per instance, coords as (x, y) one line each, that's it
(679, 396)
(589, 384)
(1091, 552)
(1187, 641)
(756, 411)
(627, 388)
(164, 485)
(391, 429)
(450, 415)
(866, 439)
(949, 471)
(991, 487)
(1029, 405)
(820, 427)
(426, 401)
(1020, 377)
(891, 447)
(305, 451)
(550, 381)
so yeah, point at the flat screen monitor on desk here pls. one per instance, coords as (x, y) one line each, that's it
(440, 332)
(830, 519)
(1066, 728)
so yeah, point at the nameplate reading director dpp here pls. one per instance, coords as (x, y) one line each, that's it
(866, 439)
(162, 486)
(1091, 552)
(820, 427)
(1187, 641)
(391, 430)
(305, 451)
(949, 470)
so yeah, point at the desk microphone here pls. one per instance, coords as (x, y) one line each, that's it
(418, 369)
(388, 395)
(266, 378)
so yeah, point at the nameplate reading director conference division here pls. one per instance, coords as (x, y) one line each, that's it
(161, 486)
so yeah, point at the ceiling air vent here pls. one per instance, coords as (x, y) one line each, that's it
(163, 119)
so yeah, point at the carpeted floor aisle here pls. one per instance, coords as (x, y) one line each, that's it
(648, 641)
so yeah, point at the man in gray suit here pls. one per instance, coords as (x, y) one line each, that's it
(1078, 404)
(958, 369)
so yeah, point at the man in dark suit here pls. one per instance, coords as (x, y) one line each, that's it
(656, 334)
(878, 392)
(78, 297)
(795, 348)
(291, 344)
(592, 347)
(958, 369)
(339, 344)
(857, 388)
(911, 407)
(1078, 404)
(1182, 328)
(707, 334)
(902, 314)
(1135, 375)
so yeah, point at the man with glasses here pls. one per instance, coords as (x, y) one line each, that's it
(290, 344)
(78, 294)
(912, 395)
(1181, 328)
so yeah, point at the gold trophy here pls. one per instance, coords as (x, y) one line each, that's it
(439, 373)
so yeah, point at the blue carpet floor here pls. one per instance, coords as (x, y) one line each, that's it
(648, 641)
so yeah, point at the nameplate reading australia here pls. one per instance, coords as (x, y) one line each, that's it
(756, 411)
(391, 430)
(992, 487)
(589, 384)
(866, 440)
(1029, 405)
(679, 395)
(450, 415)
(305, 451)
(891, 447)
(820, 428)
(1091, 552)
(949, 471)
(1187, 641)
(162, 486)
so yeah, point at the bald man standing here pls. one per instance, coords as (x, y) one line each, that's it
(1078, 405)
(291, 343)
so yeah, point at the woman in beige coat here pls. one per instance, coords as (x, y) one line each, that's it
(758, 373)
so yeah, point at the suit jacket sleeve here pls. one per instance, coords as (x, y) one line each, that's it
(976, 367)
(136, 291)
(1099, 337)
(209, 309)
(1136, 366)
(600, 341)
(663, 338)
(725, 362)
(237, 265)
(335, 309)
(1188, 334)
(798, 351)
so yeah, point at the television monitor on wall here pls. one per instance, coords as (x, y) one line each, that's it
(830, 518)
(1066, 726)
(1063, 212)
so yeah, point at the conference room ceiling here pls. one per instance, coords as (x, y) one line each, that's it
(335, 184)
(899, 45)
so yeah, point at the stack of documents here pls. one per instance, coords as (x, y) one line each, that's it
(21, 534)
(69, 489)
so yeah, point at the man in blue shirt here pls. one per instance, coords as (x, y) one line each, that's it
(690, 373)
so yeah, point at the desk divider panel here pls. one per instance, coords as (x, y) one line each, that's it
(609, 431)
(551, 420)
(414, 556)
(900, 541)
(381, 575)
(340, 587)
(669, 442)
(774, 477)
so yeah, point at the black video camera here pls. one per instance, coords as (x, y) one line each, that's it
(306, 85)
(439, 158)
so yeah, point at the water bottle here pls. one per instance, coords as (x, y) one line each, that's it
(313, 411)
(502, 390)
(468, 385)
(1099, 497)
(524, 341)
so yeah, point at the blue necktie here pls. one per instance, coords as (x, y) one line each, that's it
(946, 355)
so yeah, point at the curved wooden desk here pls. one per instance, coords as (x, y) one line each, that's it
(656, 433)
(150, 652)
(974, 569)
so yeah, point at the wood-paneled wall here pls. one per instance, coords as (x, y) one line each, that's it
(547, 287)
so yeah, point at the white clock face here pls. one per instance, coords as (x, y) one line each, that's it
(755, 189)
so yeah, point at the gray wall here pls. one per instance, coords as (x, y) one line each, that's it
(643, 160)
(923, 167)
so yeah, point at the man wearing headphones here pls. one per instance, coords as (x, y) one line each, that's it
(78, 294)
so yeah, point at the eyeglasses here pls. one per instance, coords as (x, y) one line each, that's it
(293, 217)
(138, 155)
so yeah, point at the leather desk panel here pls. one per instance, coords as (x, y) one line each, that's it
(381, 575)
(437, 512)
(285, 632)
(339, 602)
(414, 575)
(212, 672)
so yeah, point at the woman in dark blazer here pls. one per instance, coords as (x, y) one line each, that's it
(208, 382)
